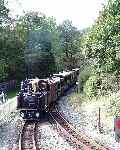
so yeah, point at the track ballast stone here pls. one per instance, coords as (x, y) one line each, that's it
(51, 140)
(85, 119)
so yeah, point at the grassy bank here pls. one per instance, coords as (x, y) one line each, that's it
(110, 103)
(12, 93)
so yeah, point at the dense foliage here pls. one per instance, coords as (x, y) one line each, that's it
(33, 45)
(101, 47)
(70, 44)
(11, 48)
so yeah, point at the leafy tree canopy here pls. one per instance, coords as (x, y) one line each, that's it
(102, 41)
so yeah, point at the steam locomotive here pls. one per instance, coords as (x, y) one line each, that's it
(36, 95)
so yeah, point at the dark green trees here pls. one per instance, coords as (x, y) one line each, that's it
(39, 56)
(70, 44)
(11, 48)
(33, 45)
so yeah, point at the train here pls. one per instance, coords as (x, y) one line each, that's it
(36, 95)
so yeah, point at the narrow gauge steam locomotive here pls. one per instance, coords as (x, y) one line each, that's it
(36, 95)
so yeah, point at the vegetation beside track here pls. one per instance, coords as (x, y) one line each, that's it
(12, 93)
(100, 75)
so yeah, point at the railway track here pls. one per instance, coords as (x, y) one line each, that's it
(27, 140)
(81, 141)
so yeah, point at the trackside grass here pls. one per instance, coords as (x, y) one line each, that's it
(12, 93)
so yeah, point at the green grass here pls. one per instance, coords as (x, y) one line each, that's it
(12, 93)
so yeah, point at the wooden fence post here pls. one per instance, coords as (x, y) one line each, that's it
(99, 120)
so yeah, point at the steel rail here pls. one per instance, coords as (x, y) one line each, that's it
(81, 140)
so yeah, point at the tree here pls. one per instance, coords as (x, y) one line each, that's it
(70, 43)
(11, 47)
(3, 13)
(39, 32)
(102, 42)
(3, 72)
(3, 17)
(102, 48)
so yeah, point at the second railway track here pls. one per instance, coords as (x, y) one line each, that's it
(81, 141)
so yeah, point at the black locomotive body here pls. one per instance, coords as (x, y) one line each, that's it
(36, 95)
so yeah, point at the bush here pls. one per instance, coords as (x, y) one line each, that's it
(102, 84)
(110, 83)
(92, 85)
(84, 76)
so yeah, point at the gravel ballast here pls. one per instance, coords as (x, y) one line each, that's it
(85, 118)
(9, 132)
(50, 138)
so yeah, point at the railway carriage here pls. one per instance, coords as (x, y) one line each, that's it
(37, 95)
(65, 79)
(56, 81)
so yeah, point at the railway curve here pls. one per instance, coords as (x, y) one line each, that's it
(81, 141)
